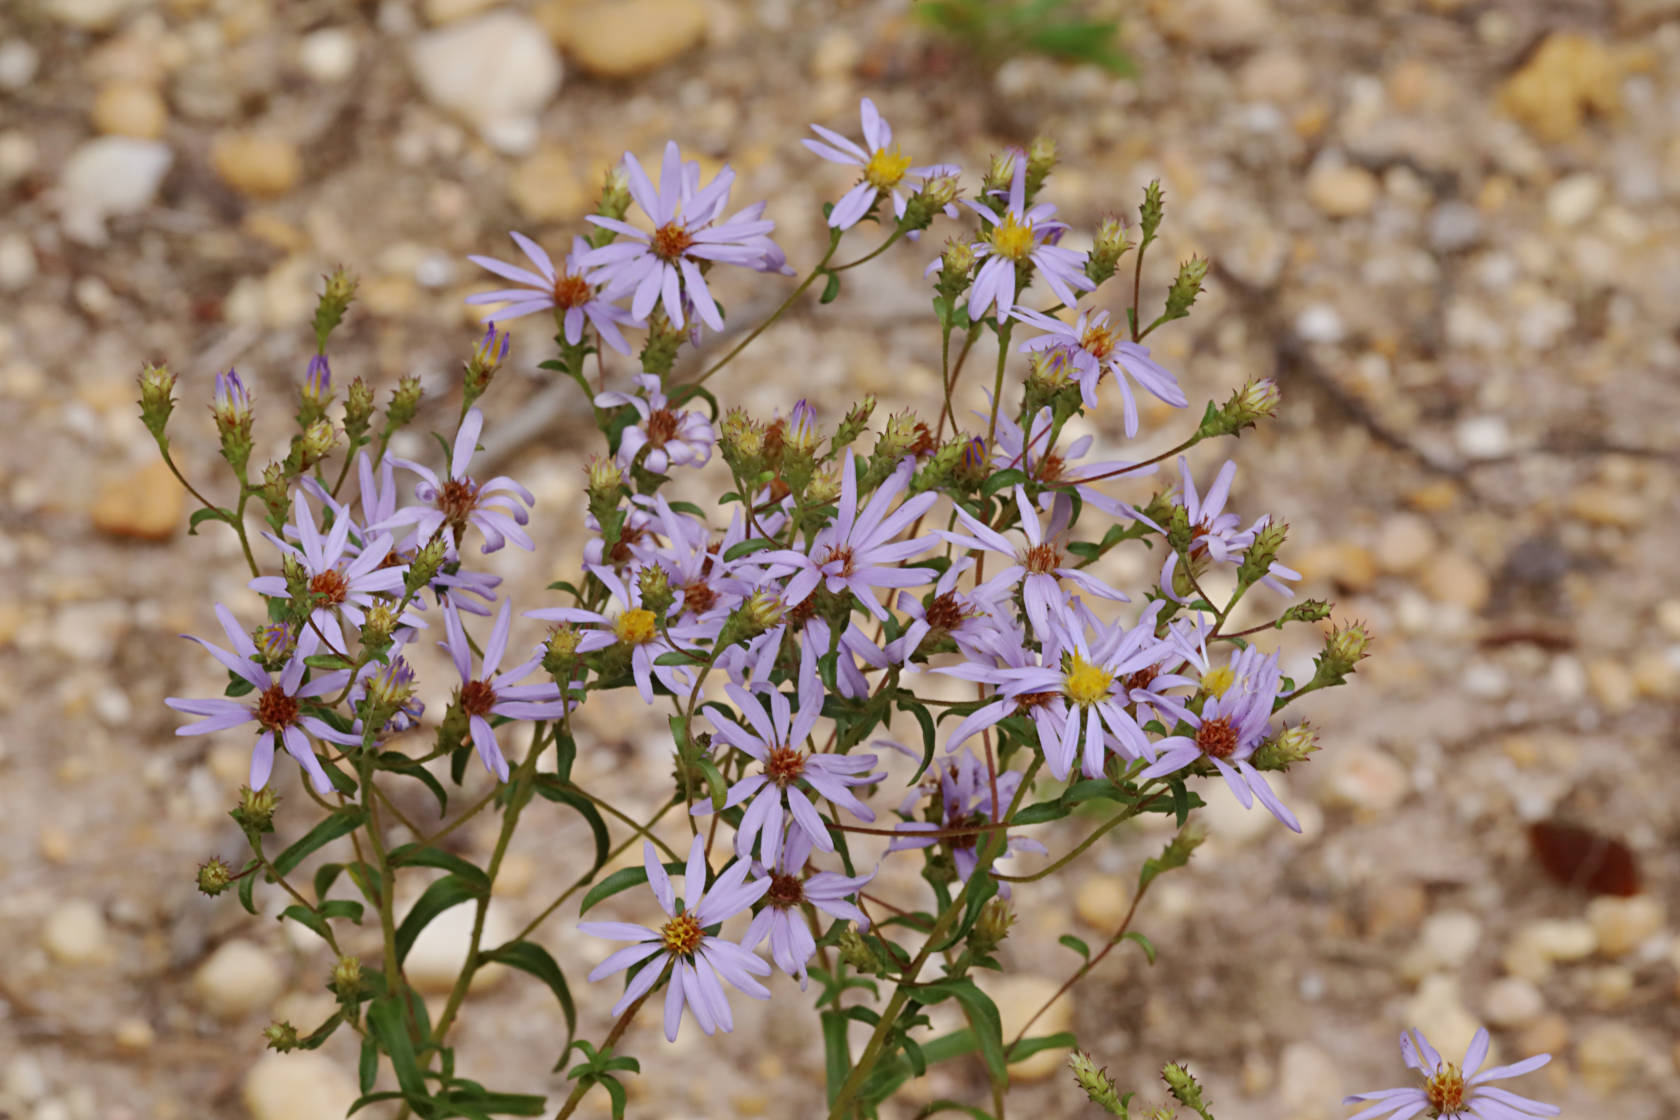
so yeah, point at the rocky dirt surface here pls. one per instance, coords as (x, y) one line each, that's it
(1448, 227)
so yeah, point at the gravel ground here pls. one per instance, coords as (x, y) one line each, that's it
(1447, 227)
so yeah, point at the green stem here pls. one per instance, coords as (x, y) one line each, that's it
(1004, 330)
(394, 981)
(1078, 849)
(617, 1032)
(833, 244)
(873, 253)
(641, 830)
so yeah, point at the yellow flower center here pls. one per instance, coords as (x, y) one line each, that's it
(636, 627)
(1098, 341)
(1011, 240)
(681, 935)
(1216, 682)
(1085, 683)
(1445, 1091)
(885, 168)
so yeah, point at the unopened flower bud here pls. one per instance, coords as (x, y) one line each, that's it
(1000, 172)
(280, 1036)
(655, 587)
(316, 392)
(615, 194)
(801, 433)
(1096, 1082)
(377, 625)
(487, 358)
(358, 409)
(560, 654)
(156, 385)
(1183, 1087)
(825, 484)
(275, 492)
(896, 441)
(347, 978)
(855, 951)
(1307, 610)
(255, 811)
(214, 876)
(1111, 244)
(231, 406)
(1152, 210)
(297, 579)
(1285, 749)
(426, 563)
(741, 443)
(956, 261)
(389, 687)
(316, 443)
(1186, 286)
(1346, 645)
(405, 399)
(335, 300)
(971, 465)
(855, 422)
(1257, 561)
(659, 352)
(1255, 401)
(1041, 157)
(992, 927)
(274, 643)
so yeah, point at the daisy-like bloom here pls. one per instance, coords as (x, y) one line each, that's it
(1017, 237)
(345, 583)
(1233, 721)
(885, 168)
(276, 705)
(568, 291)
(662, 266)
(458, 501)
(1030, 451)
(1217, 535)
(636, 629)
(1078, 692)
(695, 959)
(1092, 347)
(682, 439)
(965, 802)
(791, 890)
(775, 738)
(1453, 1093)
(490, 693)
(967, 618)
(1039, 566)
(857, 552)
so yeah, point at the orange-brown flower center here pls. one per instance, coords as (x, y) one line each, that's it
(698, 598)
(1143, 678)
(945, 612)
(1042, 558)
(967, 839)
(661, 427)
(571, 291)
(784, 766)
(671, 241)
(477, 698)
(785, 891)
(1445, 1090)
(1029, 700)
(1098, 341)
(275, 709)
(843, 557)
(1217, 738)
(331, 586)
(456, 499)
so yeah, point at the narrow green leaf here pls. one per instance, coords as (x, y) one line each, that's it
(1143, 942)
(304, 916)
(1076, 945)
(837, 1053)
(982, 1014)
(419, 855)
(447, 892)
(200, 516)
(1027, 1047)
(385, 1023)
(620, 880)
(339, 823)
(554, 789)
(367, 1070)
(528, 956)
(831, 289)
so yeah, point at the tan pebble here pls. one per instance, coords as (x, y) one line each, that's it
(238, 979)
(1017, 998)
(56, 846)
(1656, 674)
(298, 1086)
(515, 877)
(836, 55)
(1435, 497)
(1342, 191)
(130, 109)
(1453, 577)
(1301, 1068)
(147, 504)
(1548, 1034)
(1101, 902)
(1512, 1001)
(75, 933)
(1394, 908)
(1621, 925)
(1668, 617)
(1363, 777)
(623, 38)
(134, 1035)
(750, 1104)
(1352, 567)
(1438, 1011)
(1611, 684)
(547, 187)
(1608, 505)
(447, 11)
(1559, 939)
(1570, 75)
(389, 296)
(1257, 1075)
(1610, 986)
(256, 165)
(434, 962)
(1404, 542)
(1608, 1054)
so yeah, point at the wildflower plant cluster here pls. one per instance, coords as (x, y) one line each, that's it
(802, 636)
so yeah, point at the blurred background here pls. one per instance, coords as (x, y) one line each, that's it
(1447, 227)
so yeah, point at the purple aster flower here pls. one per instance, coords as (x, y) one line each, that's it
(1019, 236)
(884, 168)
(276, 706)
(1039, 566)
(1234, 720)
(636, 628)
(775, 739)
(346, 586)
(968, 618)
(1092, 347)
(857, 552)
(317, 380)
(459, 501)
(682, 439)
(662, 266)
(965, 801)
(1030, 452)
(496, 694)
(568, 291)
(791, 891)
(695, 959)
(231, 403)
(1218, 535)
(1451, 1093)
